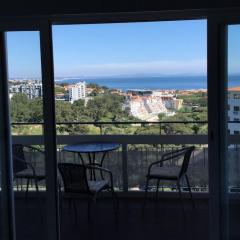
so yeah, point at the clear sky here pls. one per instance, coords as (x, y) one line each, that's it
(97, 50)
(234, 49)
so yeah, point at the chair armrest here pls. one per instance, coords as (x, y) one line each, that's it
(34, 148)
(170, 155)
(165, 157)
(101, 169)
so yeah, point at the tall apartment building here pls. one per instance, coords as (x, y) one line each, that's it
(31, 89)
(77, 91)
(234, 110)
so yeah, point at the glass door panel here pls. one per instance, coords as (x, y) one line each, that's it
(26, 116)
(233, 139)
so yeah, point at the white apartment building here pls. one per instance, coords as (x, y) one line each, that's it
(234, 110)
(31, 89)
(147, 104)
(77, 91)
(148, 107)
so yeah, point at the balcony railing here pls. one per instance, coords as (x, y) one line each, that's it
(129, 163)
(160, 127)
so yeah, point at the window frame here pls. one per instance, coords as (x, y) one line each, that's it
(216, 20)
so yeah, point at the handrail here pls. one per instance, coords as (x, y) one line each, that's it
(113, 122)
(118, 122)
(122, 139)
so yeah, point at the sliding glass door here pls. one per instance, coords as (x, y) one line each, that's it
(224, 124)
(27, 122)
(233, 129)
(28, 144)
(7, 220)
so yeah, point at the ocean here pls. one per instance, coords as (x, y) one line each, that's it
(179, 83)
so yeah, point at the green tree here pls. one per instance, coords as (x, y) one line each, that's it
(106, 107)
(64, 114)
(79, 111)
(161, 116)
(178, 128)
(199, 99)
(59, 89)
(20, 110)
(96, 109)
(36, 110)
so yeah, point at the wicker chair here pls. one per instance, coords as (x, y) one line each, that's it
(76, 183)
(157, 171)
(24, 169)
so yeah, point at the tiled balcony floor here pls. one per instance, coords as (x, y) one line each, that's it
(162, 220)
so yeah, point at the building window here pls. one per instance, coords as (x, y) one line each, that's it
(236, 120)
(236, 132)
(236, 96)
(236, 108)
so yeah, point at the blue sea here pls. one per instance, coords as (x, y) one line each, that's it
(179, 83)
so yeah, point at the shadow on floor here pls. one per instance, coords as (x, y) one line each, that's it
(163, 219)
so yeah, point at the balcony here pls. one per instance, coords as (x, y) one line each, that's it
(129, 163)
(129, 166)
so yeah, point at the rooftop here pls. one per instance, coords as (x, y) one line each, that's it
(234, 89)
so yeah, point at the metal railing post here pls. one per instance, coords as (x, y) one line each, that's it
(124, 167)
(49, 127)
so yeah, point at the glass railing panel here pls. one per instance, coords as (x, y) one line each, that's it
(141, 156)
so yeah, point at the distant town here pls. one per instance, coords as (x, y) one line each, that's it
(141, 103)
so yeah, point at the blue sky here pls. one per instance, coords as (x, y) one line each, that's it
(97, 50)
(234, 49)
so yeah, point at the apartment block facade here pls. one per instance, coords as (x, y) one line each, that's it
(31, 89)
(234, 110)
(77, 91)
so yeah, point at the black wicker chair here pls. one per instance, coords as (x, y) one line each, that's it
(157, 171)
(24, 169)
(76, 183)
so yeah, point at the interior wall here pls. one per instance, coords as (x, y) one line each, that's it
(52, 7)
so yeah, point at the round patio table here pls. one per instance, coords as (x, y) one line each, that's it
(91, 148)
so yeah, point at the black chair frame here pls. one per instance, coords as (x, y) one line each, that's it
(20, 164)
(186, 153)
(70, 192)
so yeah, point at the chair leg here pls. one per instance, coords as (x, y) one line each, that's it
(190, 192)
(37, 190)
(116, 204)
(60, 198)
(26, 193)
(36, 185)
(70, 203)
(88, 208)
(75, 210)
(180, 196)
(39, 200)
(157, 189)
(17, 184)
(145, 194)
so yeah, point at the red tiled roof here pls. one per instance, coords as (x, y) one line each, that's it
(234, 89)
